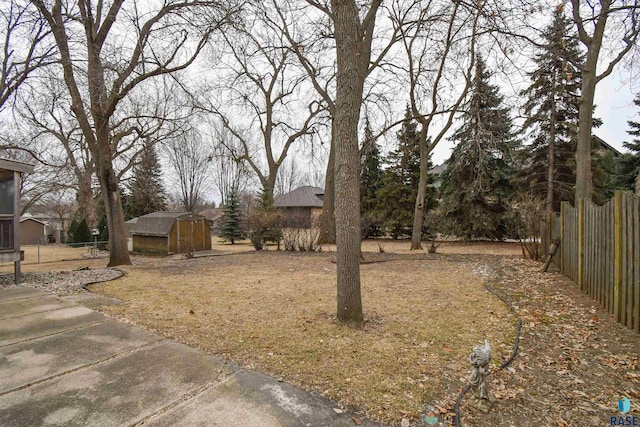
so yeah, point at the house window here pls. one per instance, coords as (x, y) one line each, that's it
(6, 192)
(6, 233)
(6, 210)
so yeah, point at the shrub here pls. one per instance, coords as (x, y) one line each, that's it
(264, 227)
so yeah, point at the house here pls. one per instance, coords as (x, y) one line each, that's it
(213, 217)
(34, 231)
(165, 233)
(10, 173)
(301, 207)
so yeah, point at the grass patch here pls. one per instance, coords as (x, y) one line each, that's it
(275, 312)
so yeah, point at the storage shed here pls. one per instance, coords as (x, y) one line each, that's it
(33, 231)
(165, 233)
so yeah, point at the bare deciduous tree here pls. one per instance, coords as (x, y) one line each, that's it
(266, 88)
(228, 174)
(111, 66)
(440, 46)
(24, 46)
(191, 165)
(622, 22)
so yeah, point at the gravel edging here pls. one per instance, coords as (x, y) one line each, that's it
(63, 282)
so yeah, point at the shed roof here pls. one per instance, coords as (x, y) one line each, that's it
(302, 197)
(158, 223)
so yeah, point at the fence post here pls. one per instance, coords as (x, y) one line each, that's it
(617, 245)
(562, 237)
(581, 244)
(549, 232)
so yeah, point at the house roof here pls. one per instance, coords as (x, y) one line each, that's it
(598, 142)
(157, 223)
(212, 214)
(302, 197)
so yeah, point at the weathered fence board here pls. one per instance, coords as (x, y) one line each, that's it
(600, 252)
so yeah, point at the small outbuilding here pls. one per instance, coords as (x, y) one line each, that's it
(165, 233)
(301, 207)
(34, 231)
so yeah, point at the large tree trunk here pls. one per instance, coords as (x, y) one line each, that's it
(328, 217)
(86, 201)
(418, 214)
(118, 251)
(638, 185)
(350, 82)
(584, 184)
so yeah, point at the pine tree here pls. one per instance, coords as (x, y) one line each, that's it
(475, 186)
(370, 182)
(398, 190)
(230, 223)
(147, 193)
(548, 164)
(82, 234)
(629, 163)
(71, 231)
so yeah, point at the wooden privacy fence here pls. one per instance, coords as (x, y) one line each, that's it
(600, 251)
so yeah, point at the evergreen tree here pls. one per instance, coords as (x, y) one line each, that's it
(71, 231)
(629, 163)
(475, 186)
(370, 182)
(82, 234)
(230, 223)
(398, 190)
(146, 192)
(548, 163)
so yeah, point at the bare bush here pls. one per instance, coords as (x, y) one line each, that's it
(301, 233)
(301, 239)
(527, 216)
(264, 227)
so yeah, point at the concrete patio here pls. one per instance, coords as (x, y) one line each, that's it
(63, 364)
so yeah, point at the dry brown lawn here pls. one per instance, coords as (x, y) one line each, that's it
(275, 312)
(54, 258)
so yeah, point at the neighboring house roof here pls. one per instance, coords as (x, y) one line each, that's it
(156, 223)
(598, 142)
(303, 197)
(212, 215)
(438, 169)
